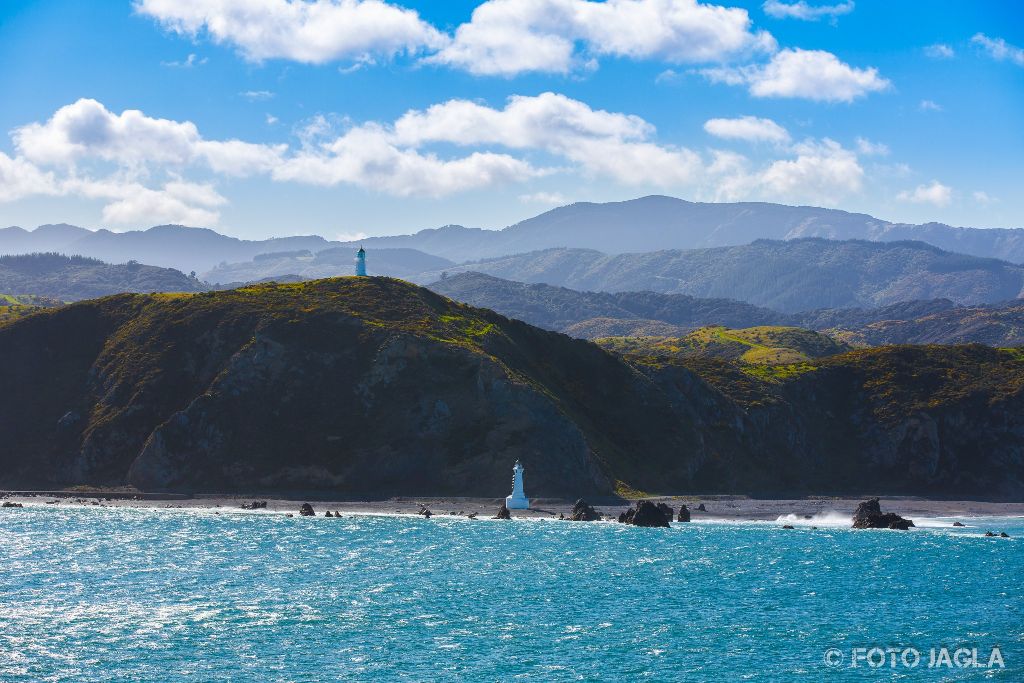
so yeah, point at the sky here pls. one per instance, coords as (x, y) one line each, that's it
(346, 118)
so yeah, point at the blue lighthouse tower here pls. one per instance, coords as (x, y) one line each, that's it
(361, 262)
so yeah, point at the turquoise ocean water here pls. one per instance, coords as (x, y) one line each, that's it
(171, 595)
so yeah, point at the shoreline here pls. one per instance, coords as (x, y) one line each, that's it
(723, 508)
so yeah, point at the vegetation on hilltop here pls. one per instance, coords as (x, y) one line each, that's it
(762, 345)
(72, 278)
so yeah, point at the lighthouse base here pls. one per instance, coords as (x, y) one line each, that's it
(514, 503)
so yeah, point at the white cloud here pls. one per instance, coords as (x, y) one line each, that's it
(308, 31)
(999, 49)
(507, 37)
(131, 203)
(928, 105)
(187, 63)
(983, 198)
(550, 198)
(748, 128)
(808, 74)
(367, 158)
(271, 119)
(257, 95)
(668, 76)
(137, 164)
(88, 131)
(821, 173)
(934, 193)
(803, 11)
(602, 143)
(939, 51)
(869, 148)
(19, 178)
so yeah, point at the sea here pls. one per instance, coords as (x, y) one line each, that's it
(109, 594)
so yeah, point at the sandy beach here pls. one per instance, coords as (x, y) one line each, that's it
(717, 507)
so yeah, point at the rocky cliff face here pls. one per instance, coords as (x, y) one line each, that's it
(371, 386)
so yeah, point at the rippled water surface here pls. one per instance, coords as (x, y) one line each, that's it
(155, 595)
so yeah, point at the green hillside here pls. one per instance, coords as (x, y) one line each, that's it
(763, 345)
(373, 386)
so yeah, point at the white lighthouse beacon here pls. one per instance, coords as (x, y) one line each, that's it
(361, 262)
(518, 499)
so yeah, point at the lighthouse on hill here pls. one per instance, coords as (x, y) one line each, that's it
(361, 262)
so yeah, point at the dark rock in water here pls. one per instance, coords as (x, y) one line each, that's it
(869, 516)
(471, 515)
(684, 514)
(427, 514)
(561, 516)
(306, 510)
(584, 512)
(9, 504)
(957, 524)
(989, 533)
(503, 513)
(787, 526)
(328, 514)
(1003, 534)
(701, 508)
(644, 513)
(667, 510)
(255, 505)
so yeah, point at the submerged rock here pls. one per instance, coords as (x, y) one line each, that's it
(989, 534)
(582, 511)
(9, 504)
(306, 510)
(503, 513)
(1003, 534)
(255, 505)
(957, 523)
(644, 513)
(684, 513)
(787, 526)
(869, 515)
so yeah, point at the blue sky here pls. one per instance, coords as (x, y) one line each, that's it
(349, 117)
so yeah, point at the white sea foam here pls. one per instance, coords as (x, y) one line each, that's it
(825, 518)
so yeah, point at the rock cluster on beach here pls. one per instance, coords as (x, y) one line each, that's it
(9, 504)
(645, 513)
(582, 511)
(255, 505)
(869, 515)
(503, 513)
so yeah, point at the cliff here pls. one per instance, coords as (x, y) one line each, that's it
(372, 386)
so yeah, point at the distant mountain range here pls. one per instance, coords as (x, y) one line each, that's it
(592, 315)
(169, 246)
(788, 276)
(77, 277)
(399, 262)
(657, 223)
(646, 224)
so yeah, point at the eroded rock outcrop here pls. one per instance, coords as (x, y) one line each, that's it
(869, 515)
(503, 513)
(307, 510)
(684, 513)
(582, 511)
(645, 513)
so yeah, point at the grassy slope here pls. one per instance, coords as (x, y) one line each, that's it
(754, 346)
